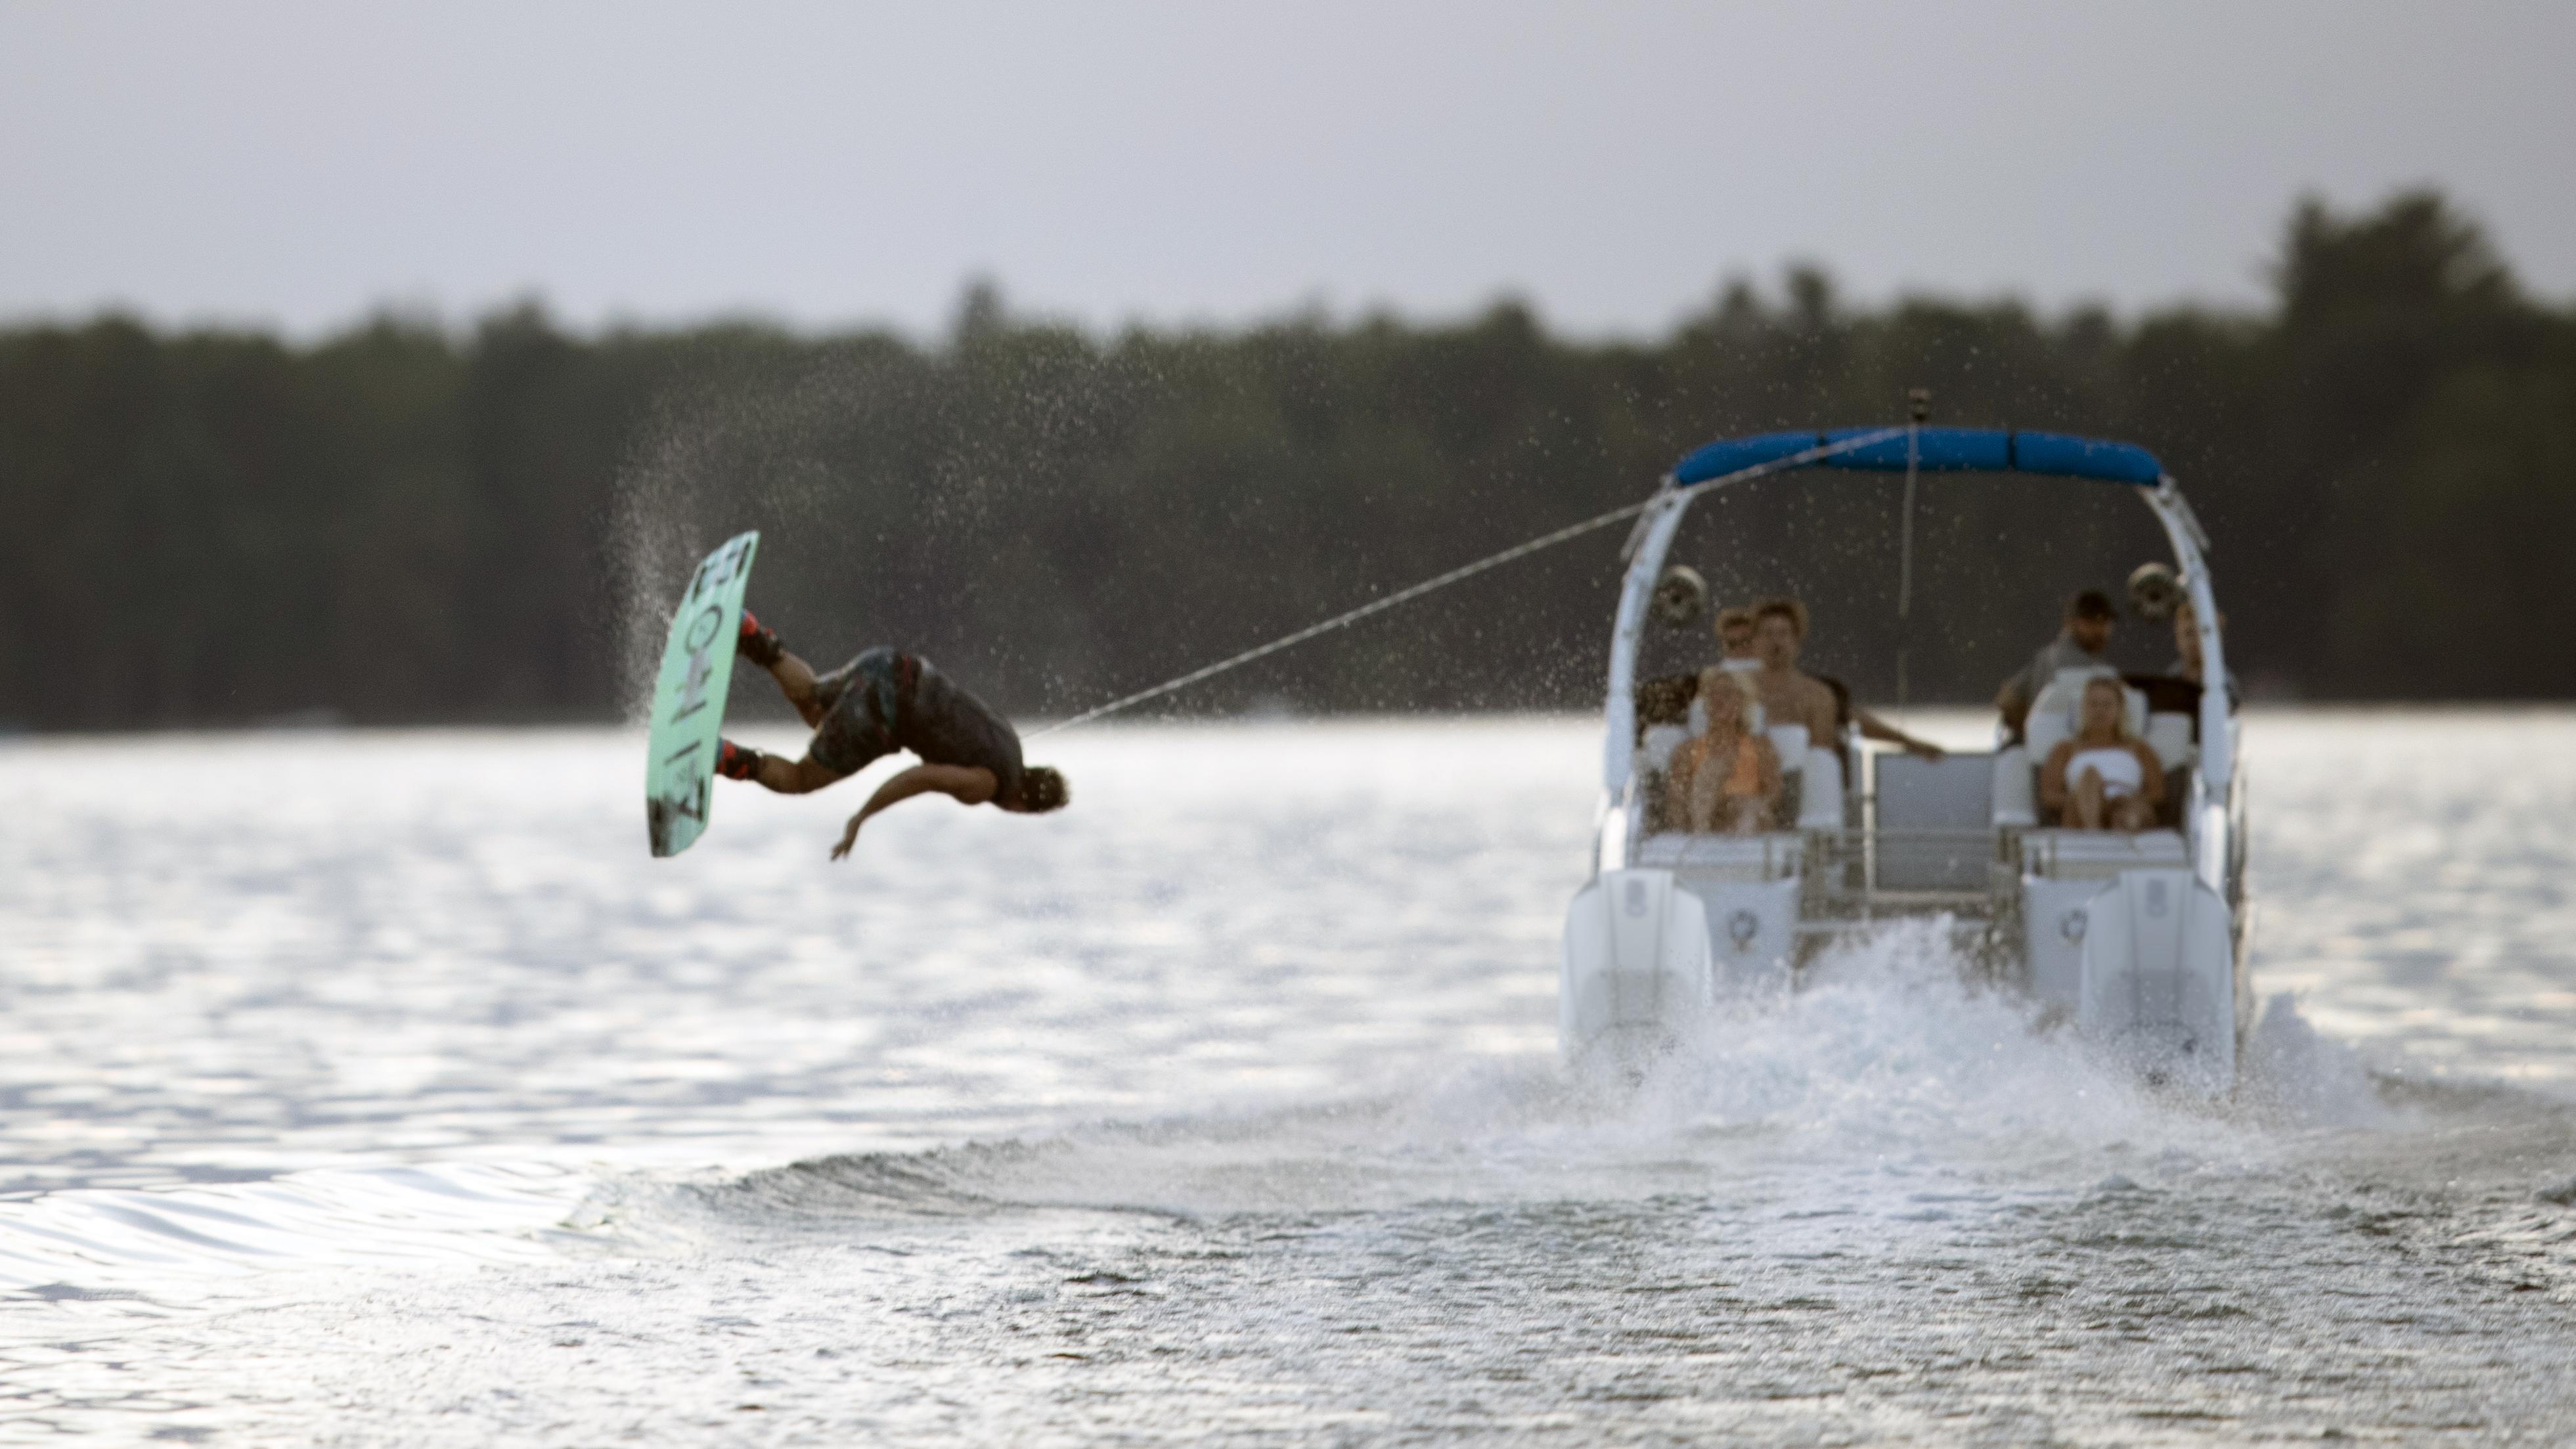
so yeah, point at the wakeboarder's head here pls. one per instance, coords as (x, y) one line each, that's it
(1042, 789)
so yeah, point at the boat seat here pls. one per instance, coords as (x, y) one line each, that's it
(2054, 718)
(1655, 752)
(2169, 735)
(2058, 712)
(2099, 854)
(1790, 742)
(2015, 799)
(1820, 790)
(1811, 778)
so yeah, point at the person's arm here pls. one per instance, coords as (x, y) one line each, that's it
(1677, 783)
(2052, 776)
(1874, 728)
(966, 784)
(1766, 770)
(2012, 701)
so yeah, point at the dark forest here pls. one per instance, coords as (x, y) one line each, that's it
(408, 523)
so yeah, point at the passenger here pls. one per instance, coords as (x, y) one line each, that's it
(1792, 697)
(1789, 696)
(2080, 644)
(2103, 778)
(1735, 638)
(1725, 780)
(2188, 663)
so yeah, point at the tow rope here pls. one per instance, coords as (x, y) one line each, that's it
(1662, 497)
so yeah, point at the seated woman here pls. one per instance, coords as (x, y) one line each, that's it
(2103, 777)
(1726, 779)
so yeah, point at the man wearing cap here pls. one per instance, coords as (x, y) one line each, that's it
(2080, 644)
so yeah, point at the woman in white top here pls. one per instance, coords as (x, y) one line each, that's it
(2104, 778)
(1726, 781)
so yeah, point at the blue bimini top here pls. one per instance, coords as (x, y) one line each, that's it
(1938, 450)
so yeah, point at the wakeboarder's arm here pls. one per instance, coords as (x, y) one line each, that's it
(966, 784)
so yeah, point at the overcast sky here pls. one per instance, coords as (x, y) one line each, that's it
(302, 164)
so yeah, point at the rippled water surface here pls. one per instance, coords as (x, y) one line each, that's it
(378, 1089)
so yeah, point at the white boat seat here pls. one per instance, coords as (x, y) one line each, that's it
(2016, 788)
(2169, 735)
(1820, 789)
(2099, 854)
(2059, 711)
(1790, 742)
(1655, 752)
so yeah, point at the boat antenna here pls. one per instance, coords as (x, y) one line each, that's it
(1661, 498)
(1918, 411)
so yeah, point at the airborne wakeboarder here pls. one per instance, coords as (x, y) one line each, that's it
(878, 703)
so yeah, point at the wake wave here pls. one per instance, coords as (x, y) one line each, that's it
(1891, 1064)
(151, 1247)
(1890, 1057)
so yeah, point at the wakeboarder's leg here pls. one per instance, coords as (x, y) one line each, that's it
(774, 772)
(795, 677)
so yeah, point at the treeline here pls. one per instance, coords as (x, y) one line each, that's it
(405, 524)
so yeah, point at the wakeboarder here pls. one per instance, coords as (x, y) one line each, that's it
(878, 703)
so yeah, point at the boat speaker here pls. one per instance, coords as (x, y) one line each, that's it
(1680, 596)
(2154, 591)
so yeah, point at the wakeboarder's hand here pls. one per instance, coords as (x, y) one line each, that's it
(849, 838)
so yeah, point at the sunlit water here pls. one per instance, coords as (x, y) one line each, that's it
(379, 1089)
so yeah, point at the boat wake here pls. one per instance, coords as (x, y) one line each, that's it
(1891, 1066)
(1815, 1224)
(1891, 1086)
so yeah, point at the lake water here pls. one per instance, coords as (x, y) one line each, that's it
(378, 1088)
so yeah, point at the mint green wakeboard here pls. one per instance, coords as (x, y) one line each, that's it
(689, 699)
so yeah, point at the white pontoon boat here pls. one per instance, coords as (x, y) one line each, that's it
(2138, 939)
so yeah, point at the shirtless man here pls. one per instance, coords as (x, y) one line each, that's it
(877, 704)
(1790, 696)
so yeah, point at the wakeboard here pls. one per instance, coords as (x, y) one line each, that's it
(689, 698)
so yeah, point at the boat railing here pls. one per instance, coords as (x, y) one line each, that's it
(1861, 873)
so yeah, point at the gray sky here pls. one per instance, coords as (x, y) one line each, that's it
(300, 164)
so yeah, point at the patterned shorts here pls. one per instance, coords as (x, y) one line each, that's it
(861, 701)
